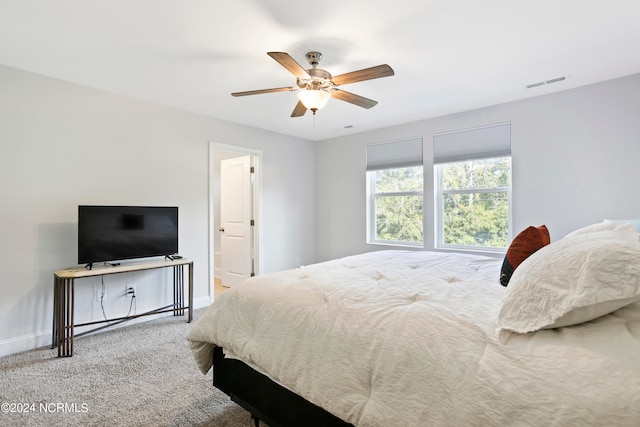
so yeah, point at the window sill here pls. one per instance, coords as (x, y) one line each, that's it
(406, 245)
(495, 253)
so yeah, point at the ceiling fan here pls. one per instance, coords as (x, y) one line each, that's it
(315, 86)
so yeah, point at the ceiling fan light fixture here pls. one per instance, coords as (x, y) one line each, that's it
(314, 99)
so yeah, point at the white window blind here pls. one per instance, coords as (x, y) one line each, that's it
(397, 154)
(478, 143)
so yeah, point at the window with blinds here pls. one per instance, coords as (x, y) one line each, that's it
(472, 178)
(395, 198)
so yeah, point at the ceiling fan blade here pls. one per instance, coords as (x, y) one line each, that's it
(256, 92)
(365, 74)
(299, 110)
(358, 100)
(290, 64)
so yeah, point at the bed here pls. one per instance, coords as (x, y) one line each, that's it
(408, 338)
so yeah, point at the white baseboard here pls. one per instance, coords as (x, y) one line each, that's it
(42, 339)
(25, 343)
(201, 302)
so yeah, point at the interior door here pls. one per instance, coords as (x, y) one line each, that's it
(236, 242)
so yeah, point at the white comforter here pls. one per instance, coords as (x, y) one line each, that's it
(396, 338)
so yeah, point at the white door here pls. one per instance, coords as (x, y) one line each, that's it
(236, 242)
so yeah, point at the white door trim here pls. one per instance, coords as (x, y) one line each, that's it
(257, 200)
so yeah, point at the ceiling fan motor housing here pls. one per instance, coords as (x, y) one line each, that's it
(320, 79)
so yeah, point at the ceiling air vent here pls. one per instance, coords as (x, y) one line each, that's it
(532, 85)
(556, 80)
(547, 82)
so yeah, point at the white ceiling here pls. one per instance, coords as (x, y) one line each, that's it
(448, 55)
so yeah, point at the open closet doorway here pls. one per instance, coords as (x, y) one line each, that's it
(234, 208)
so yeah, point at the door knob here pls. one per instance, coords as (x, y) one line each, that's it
(221, 229)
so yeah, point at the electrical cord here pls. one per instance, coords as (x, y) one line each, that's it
(102, 298)
(132, 303)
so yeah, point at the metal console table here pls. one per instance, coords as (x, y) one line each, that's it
(63, 298)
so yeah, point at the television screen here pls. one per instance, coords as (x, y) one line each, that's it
(110, 233)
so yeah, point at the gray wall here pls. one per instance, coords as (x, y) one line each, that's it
(63, 144)
(575, 157)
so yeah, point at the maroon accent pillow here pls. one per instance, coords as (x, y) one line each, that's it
(526, 243)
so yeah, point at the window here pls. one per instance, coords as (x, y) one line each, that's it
(395, 183)
(472, 179)
(396, 205)
(473, 199)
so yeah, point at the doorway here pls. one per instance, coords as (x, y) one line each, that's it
(234, 215)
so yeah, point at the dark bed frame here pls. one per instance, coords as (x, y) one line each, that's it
(265, 399)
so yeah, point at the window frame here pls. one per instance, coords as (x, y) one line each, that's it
(439, 193)
(372, 197)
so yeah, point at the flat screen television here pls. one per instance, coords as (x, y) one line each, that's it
(111, 233)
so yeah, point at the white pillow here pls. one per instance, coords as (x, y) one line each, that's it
(576, 279)
(624, 228)
(634, 222)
